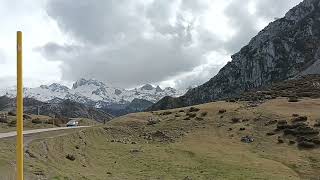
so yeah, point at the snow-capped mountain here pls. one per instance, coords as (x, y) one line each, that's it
(95, 93)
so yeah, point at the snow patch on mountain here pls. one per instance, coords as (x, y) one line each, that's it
(94, 92)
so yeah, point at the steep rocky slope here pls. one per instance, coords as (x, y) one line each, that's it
(287, 48)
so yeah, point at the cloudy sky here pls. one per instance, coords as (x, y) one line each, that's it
(128, 43)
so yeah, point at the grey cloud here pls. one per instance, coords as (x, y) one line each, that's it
(243, 22)
(2, 57)
(56, 52)
(96, 21)
(125, 42)
(197, 78)
(246, 24)
(139, 62)
(7, 81)
(274, 8)
(132, 59)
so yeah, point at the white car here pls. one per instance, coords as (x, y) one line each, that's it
(72, 123)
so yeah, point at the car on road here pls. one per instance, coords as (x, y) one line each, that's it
(72, 123)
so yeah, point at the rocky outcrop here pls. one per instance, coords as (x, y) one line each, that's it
(286, 48)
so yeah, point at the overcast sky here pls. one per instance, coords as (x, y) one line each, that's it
(128, 43)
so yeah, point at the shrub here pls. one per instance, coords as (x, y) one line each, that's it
(293, 99)
(25, 116)
(36, 121)
(12, 123)
(191, 115)
(235, 120)
(3, 120)
(71, 157)
(317, 124)
(199, 118)
(221, 111)
(280, 140)
(300, 119)
(270, 134)
(306, 144)
(204, 114)
(194, 109)
(11, 113)
(166, 113)
(282, 122)
(295, 115)
(292, 142)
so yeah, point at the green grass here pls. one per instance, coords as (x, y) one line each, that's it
(200, 149)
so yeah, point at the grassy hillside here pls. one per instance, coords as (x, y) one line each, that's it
(39, 122)
(203, 142)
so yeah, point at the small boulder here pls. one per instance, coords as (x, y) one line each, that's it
(222, 111)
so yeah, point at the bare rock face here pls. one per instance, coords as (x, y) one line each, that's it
(287, 48)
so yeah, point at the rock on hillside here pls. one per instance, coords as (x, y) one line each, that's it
(286, 48)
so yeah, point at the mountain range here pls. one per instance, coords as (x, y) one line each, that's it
(63, 109)
(94, 93)
(287, 48)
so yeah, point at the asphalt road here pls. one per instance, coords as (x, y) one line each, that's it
(35, 131)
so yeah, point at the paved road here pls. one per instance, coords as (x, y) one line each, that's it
(35, 131)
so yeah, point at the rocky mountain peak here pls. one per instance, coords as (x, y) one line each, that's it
(158, 89)
(302, 10)
(83, 82)
(58, 87)
(147, 87)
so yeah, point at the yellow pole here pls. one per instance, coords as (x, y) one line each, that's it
(19, 108)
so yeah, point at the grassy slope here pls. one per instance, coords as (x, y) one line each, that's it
(28, 125)
(198, 149)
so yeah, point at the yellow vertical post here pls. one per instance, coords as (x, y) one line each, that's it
(19, 108)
